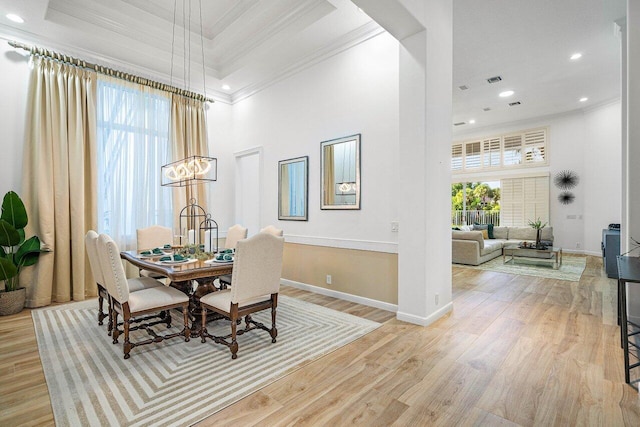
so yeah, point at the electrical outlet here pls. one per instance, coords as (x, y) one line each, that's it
(578, 245)
(395, 225)
(437, 299)
(328, 279)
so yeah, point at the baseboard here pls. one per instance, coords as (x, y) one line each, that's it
(424, 321)
(581, 252)
(341, 295)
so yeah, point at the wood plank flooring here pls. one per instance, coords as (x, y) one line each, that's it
(515, 350)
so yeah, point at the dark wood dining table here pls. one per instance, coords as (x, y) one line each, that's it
(181, 277)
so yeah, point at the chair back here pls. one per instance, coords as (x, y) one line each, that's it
(257, 267)
(152, 237)
(272, 230)
(91, 243)
(235, 233)
(112, 269)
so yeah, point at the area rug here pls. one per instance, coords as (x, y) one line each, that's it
(571, 269)
(175, 383)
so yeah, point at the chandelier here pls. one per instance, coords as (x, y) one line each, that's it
(193, 169)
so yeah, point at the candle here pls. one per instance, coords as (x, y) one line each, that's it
(192, 237)
(207, 241)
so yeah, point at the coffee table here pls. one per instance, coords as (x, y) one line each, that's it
(550, 255)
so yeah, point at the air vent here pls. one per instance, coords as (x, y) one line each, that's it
(460, 123)
(486, 109)
(463, 87)
(512, 104)
(495, 79)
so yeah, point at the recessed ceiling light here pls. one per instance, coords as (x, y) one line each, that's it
(15, 18)
(226, 87)
(495, 79)
(506, 93)
(472, 121)
(575, 56)
(584, 99)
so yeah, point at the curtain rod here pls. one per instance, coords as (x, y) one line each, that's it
(34, 50)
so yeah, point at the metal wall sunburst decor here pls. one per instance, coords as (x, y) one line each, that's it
(566, 197)
(566, 179)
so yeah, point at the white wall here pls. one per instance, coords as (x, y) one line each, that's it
(14, 69)
(588, 143)
(355, 91)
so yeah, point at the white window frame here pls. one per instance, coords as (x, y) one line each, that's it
(531, 146)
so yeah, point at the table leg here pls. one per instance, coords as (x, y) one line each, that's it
(623, 329)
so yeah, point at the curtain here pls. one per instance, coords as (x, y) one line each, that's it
(296, 189)
(59, 179)
(133, 144)
(285, 189)
(329, 175)
(188, 138)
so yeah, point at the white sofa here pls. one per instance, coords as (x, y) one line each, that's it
(470, 247)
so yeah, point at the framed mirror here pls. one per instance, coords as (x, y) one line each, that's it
(293, 189)
(340, 173)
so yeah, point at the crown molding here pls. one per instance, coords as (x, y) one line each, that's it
(349, 40)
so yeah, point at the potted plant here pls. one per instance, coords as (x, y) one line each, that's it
(538, 226)
(15, 252)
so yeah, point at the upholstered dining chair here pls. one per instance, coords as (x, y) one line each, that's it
(90, 240)
(155, 236)
(234, 234)
(135, 284)
(272, 230)
(255, 286)
(130, 305)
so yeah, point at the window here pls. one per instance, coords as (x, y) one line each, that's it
(133, 143)
(523, 200)
(520, 149)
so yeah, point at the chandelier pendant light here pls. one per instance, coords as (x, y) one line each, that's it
(193, 169)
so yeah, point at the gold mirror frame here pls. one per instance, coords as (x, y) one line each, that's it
(340, 173)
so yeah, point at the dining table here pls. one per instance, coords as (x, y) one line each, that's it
(182, 277)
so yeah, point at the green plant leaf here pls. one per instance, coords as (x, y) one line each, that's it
(28, 252)
(7, 270)
(9, 236)
(13, 210)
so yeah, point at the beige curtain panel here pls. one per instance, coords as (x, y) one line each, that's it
(188, 137)
(59, 179)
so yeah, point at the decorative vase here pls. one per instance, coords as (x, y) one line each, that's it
(538, 237)
(12, 302)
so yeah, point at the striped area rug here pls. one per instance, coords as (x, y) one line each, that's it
(175, 383)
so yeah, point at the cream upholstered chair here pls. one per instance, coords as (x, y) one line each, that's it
(255, 286)
(234, 234)
(272, 230)
(155, 236)
(90, 240)
(135, 284)
(129, 304)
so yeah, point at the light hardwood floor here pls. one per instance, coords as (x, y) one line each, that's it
(515, 350)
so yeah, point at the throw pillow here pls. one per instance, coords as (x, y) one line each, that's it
(485, 234)
(488, 227)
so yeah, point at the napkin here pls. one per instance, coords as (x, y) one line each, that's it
(157, 251)
(227, 251)
(224, 257)
(176, 257)
(145, 253)
(167, 246)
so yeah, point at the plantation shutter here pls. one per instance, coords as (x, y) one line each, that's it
(535, 146)
(512, 150)
(523, 200)
(491, 152)
(472, 155)
(456, 157)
